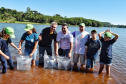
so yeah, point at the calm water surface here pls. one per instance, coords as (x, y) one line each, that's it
(39, 75)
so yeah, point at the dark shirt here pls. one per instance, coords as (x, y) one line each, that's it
(29, 39)
(47, 37)
(4, 47)
(106, 50)
(93, 47)
(8, 41)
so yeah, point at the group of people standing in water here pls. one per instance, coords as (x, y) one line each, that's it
(86, 46)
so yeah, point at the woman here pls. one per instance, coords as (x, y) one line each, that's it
(31, 42)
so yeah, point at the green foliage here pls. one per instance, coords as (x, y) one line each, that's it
(10, 16)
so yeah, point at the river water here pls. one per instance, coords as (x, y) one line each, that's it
(39, 75)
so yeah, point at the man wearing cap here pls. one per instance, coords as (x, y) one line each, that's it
(81, 38)
(45, 40)
(66, 41)
(106, 50)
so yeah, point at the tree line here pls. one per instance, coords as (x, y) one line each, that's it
(29, 15)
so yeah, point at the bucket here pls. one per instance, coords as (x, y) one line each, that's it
(49, 62)
(64, 63)
(23, 63)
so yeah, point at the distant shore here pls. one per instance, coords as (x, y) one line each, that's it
(26, 22)
(19, 22)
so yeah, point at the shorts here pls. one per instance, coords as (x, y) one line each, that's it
(76, 58)
(106, 64)
(106, 61)
(27, 52)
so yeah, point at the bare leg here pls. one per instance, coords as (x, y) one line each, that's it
(101, 68)
(33, 63)
(108, 70)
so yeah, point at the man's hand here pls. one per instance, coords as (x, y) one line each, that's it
(69, 55)
(56, 54)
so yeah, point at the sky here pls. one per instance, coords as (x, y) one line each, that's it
(113, 11)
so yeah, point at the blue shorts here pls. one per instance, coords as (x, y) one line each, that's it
(27, 52)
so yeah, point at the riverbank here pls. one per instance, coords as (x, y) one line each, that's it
(19, 22)
(26, 22)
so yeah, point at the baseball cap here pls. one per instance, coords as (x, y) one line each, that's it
(82, 24)
(108, 34)
(10, 31)
(28, 27)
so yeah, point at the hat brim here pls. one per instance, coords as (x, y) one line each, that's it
(82, 25)
(26, 29)
(12, 35)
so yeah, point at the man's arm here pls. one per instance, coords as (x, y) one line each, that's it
(71, 48)
(57, 46)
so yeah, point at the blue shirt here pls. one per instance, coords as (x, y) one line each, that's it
(8, 41)
(106, 50)
(93, 47)
(4, 47)
(29, 39)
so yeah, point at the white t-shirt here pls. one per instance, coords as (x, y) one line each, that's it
(80, 40)
(64, 39)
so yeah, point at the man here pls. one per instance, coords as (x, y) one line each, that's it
(66, 41)
(45, 40)
(81, 38)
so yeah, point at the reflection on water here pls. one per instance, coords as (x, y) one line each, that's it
(38, 75)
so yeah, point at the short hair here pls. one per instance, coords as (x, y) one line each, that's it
(93, 31)
(65, 24)
(53, 23)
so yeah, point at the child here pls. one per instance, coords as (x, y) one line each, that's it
(3, 57)
(92, 47)
(5, 34)
(106, 50)
(31, 42)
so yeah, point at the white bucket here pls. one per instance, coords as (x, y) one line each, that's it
(23, 63)
(49, 62)
(64, 63)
